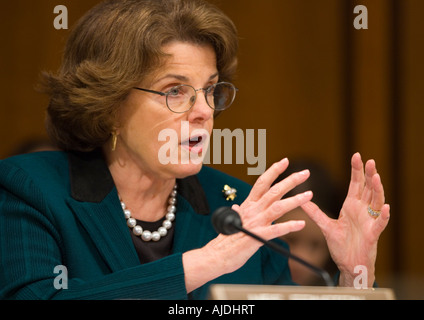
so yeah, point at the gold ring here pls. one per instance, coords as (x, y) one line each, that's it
(373, 213)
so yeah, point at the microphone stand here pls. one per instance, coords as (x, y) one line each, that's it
(324, 274)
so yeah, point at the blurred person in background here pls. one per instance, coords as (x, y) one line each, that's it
(309, 243)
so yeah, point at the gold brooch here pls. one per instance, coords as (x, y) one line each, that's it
(230, 193)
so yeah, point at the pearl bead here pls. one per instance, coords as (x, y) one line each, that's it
(172, 208)
(162, 231)
(167, 224)
(155, 236)
(127, 214)
(131, 222)
(170, 216)
(146, 235)
(138, 230)
(172, 201)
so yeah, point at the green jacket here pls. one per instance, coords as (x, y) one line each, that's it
(62, 210)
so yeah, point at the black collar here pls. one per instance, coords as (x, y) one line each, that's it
(91, 181)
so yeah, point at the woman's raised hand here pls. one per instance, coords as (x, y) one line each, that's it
(352, 238)
(258, 212)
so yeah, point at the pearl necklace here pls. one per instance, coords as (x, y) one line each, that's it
(147, 235)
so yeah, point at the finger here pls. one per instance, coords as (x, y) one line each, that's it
(383, 220)
(280, 229)
(370, 171)
(279, 208)
(316, 215)
(265, 181)
(281, 188)
(378, 198)
(357, 179)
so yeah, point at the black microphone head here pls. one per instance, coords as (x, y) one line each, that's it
(226, 221)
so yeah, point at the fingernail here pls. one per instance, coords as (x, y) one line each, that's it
(300, 223)
(304, 172)
(307, 194)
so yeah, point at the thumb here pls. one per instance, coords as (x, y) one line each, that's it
(316, 214)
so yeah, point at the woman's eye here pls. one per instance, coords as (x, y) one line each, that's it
(210, 89)
(174, 92)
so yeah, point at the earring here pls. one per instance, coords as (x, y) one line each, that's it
(114, 139)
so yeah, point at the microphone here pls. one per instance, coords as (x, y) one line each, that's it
(227, 221)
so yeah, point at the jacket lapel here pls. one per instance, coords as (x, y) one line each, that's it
(105, 224)
(94, 201)
(96, 204)
(187, 224)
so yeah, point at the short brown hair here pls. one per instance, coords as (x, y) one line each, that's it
(112, 48)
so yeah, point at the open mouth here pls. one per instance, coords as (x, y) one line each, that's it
(195, 140)
(194, 143)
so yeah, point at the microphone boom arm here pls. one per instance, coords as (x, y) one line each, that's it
(324, 274)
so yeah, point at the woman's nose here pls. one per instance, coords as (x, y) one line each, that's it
(201, 111)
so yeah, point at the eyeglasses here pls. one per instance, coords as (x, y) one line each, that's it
(180, 99)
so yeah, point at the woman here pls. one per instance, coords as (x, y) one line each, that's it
(109, 212)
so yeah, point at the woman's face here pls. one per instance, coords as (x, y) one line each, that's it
(153, 137)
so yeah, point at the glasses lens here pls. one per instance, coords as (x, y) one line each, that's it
(221, 95)
(181, 98)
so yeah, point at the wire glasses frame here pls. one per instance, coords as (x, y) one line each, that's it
(181, 98)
